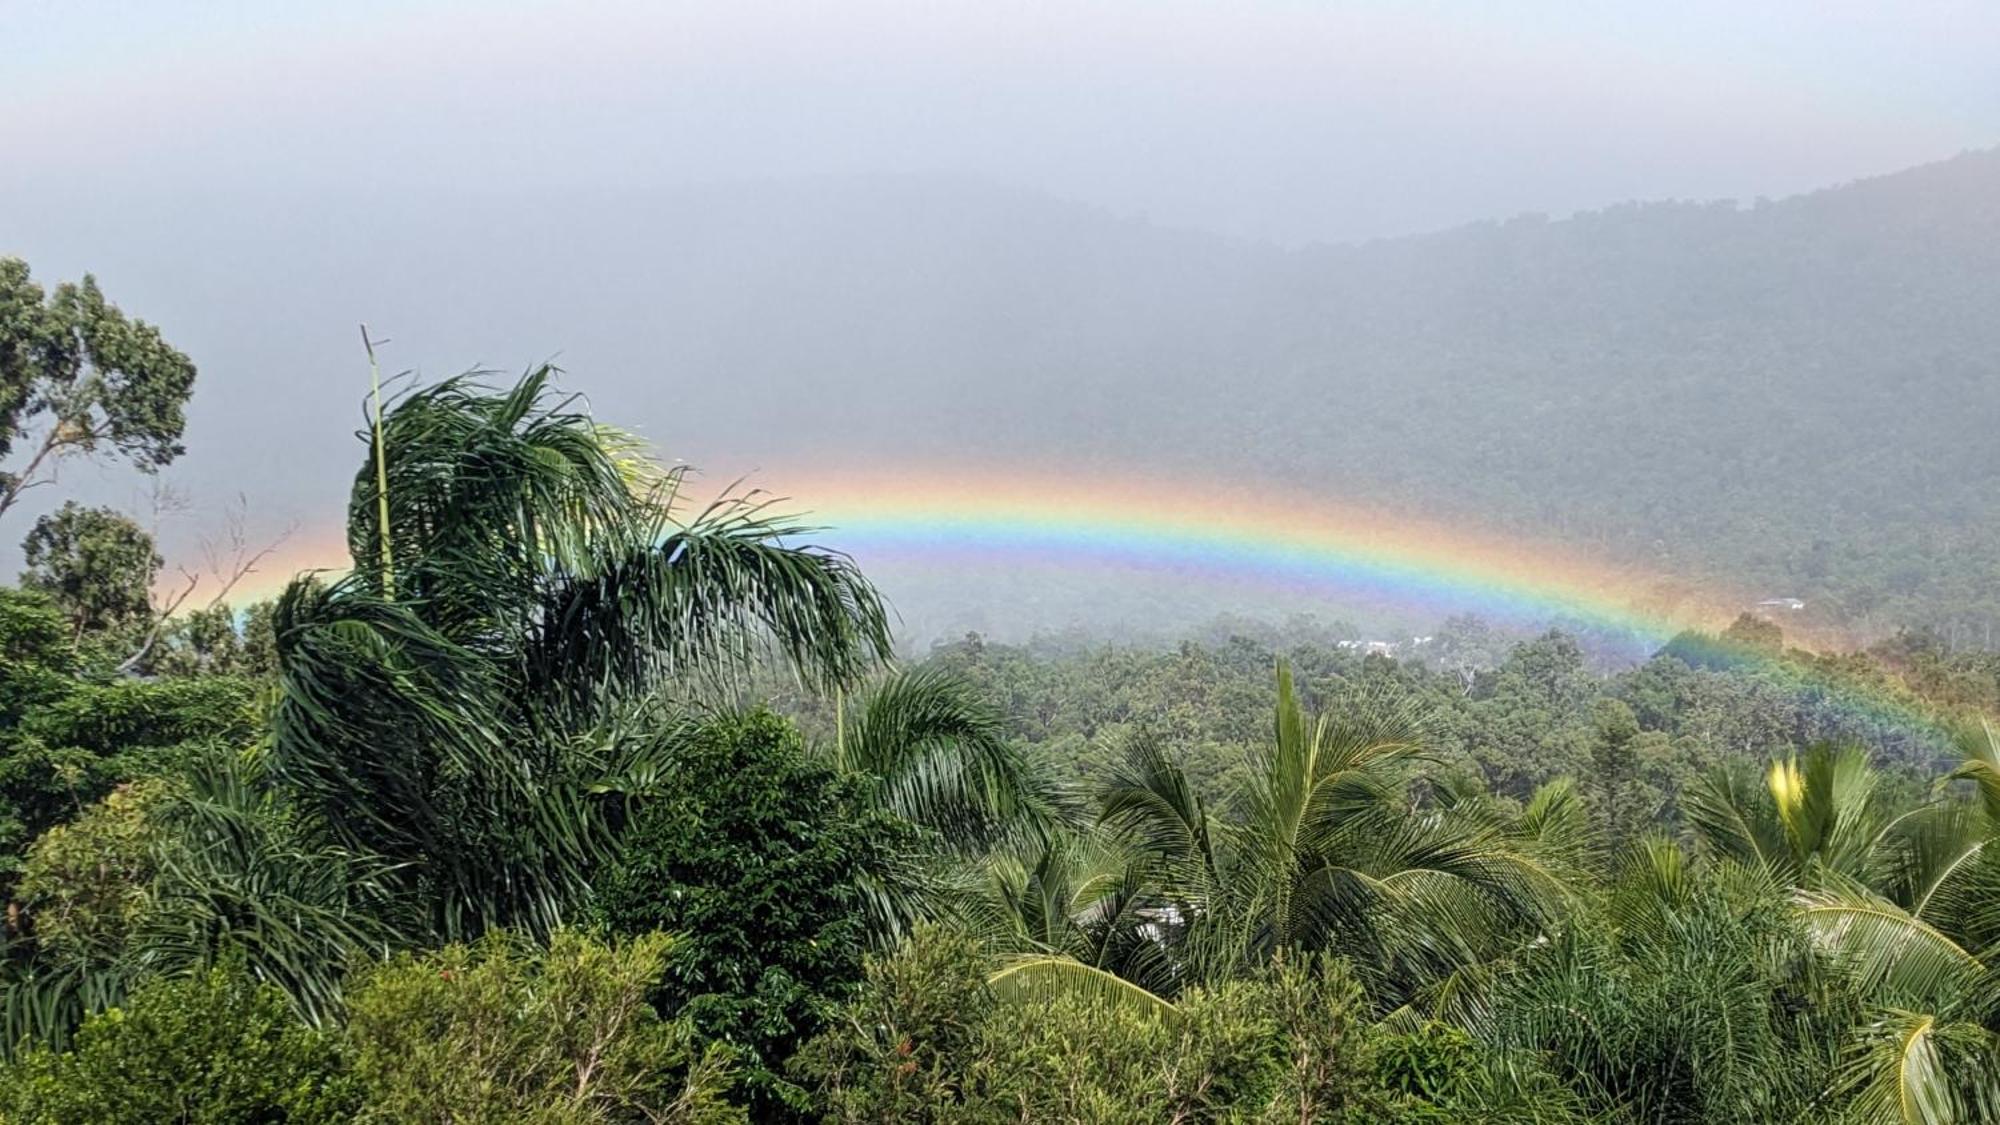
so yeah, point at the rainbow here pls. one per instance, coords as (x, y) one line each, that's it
(318, 549)
(1211, 532)
(1201, 532)
(935, 519)
(1348, 552)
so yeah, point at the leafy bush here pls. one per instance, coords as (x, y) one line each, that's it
(72, 746)
(1438, 1074)
(109, 717)
(36, 656)
(1080, 1058)
(499, 1033)
(85, 884)
(756, 856)
(1329, 1045)
(902, 1048)
(924, 1041)
(212, 1049)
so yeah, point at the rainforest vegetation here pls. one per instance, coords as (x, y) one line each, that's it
(583, 797)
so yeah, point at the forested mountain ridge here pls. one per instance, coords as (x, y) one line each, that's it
(1798, 394)
(1789, 397)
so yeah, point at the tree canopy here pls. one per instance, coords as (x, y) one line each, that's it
(573, 802)
(78, 376)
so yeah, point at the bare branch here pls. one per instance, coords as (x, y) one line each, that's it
(26, 479)
(241, 562)
(160, 617)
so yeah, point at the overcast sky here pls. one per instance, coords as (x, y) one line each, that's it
(1281, 119)
(209, 159)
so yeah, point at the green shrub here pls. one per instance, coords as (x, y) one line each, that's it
(924, 1041)
(37, 659)
(1434, 1072)
(902, 1048)
(108, 718)
(74, 746)
(1438, 1074)
(755, 857)
(1081, 1059)
(85, 884)
(500, 1033)
(213, 1049)
(1329, 1043)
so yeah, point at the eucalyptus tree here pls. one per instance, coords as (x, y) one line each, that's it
(77, 375)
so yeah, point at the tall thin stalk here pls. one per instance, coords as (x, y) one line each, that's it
(381, 467)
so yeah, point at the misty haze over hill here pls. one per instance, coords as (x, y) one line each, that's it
(1796, 397)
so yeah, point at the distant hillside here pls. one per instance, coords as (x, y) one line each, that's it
(1798, 397)
(1802, 394)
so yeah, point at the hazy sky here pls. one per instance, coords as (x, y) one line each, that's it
(1280, 119)
(256, 176)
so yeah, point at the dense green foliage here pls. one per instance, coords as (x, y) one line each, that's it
(470, 704)
(499, 1034)
(926, 1040)
(758, 855)
(460, 729)
(212, 1049)
(79, 374)
(329, 861)
(1515, 716)
(84, 884)
(67, 741)
(495, 1034)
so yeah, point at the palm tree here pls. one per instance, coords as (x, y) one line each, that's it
(926, 749)
(1902, 900)
(935, 753)
(477, 699)
(1814, 817)
(1680, 992)
(1340, 852)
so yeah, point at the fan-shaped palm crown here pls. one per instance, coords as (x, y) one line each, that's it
(468, 703)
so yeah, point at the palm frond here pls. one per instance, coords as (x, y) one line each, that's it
(1733, 816)
(1979, 750)
(1148, 799)
(1936, 852)
(662, 600)
(240, 877)
(1891, 953)
(1038, 980)
(1911, 1068)
(938, 756)
(42, 1004)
